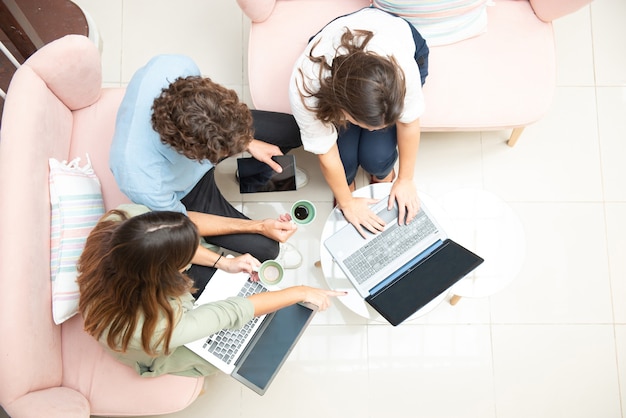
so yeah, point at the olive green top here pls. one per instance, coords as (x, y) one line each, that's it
(192, 323)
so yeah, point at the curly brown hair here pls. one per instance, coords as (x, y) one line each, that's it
(369, 87)
(202, 120)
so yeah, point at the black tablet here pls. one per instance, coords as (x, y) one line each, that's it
(256, 176)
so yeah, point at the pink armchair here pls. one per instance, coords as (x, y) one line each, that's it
(503, 79)
(55, 107)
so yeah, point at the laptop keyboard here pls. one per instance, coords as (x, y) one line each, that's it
(225, 344)
(387, 246)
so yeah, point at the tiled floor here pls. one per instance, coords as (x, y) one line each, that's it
(552, 344)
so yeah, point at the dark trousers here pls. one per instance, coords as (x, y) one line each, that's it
(275, 128)
(375, 151)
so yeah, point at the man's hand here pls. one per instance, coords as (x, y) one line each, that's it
(264, 152)
(280, 229)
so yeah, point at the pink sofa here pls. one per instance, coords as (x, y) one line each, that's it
(503, 79)
(55, 107)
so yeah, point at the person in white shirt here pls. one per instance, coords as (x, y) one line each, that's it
(356, 94)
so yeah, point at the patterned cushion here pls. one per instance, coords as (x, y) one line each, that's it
(76, 206)
(441, 22)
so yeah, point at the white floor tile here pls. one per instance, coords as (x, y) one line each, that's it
(620, 336)
(212, 38)
(609, 41)
(556, 159)
(325, 376)
(565, 276)
(547, 371)
(108, 19)
(612, 128)
(430, 371)
(574, 49)
(616, 238)
(448, 161)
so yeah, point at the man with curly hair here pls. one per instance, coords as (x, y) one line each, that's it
(173, 126)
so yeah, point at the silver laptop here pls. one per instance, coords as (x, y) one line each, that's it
(401, 269)
(254, 354)
(367, 262)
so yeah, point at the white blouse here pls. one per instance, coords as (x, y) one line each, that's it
(392, 37)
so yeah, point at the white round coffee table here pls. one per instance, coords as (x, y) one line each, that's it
(488, 226)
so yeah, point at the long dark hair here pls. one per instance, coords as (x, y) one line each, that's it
(367, 86)
(131, 266)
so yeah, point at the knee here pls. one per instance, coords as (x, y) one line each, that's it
(379, 164)
(267, 251)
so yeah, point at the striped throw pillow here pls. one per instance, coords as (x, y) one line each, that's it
(76, 206)
(441, 22)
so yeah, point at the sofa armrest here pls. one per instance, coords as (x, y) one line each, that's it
(257, 10)
(548, 10)
(78, 87)
(55, 402)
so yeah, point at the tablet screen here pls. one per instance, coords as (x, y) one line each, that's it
(256, 176)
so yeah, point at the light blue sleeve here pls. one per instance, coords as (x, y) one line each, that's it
(145, 169)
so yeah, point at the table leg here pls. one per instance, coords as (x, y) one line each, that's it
(514, 136)
(454, 299)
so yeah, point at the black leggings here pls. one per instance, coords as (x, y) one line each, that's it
(279, 129)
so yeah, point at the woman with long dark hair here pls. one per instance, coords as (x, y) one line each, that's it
(356, 95)
(136, 300)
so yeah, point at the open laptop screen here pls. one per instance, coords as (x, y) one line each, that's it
(266, 355)
(424, 281)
